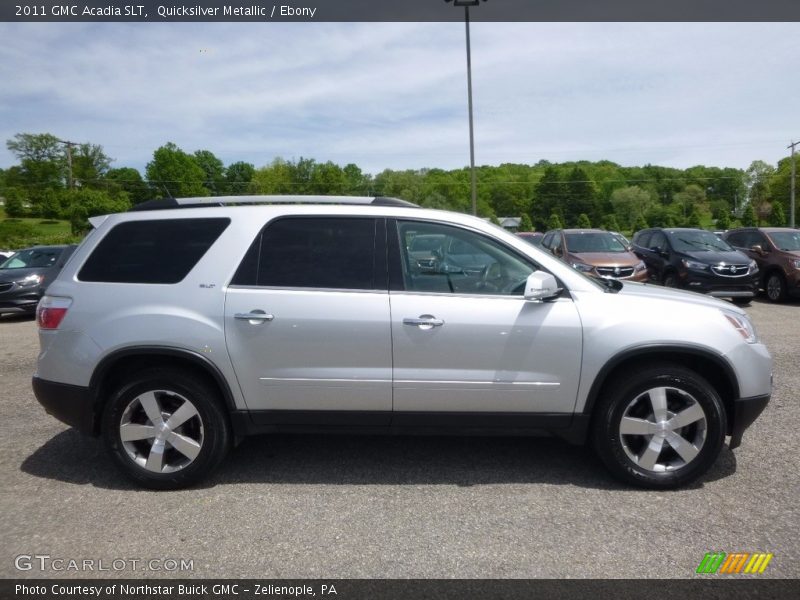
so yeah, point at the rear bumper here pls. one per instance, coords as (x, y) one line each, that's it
(745, 411)
(70, 404)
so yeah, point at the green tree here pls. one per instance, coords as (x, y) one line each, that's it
(757, 179)
(238, 177)
(525, 223)
(777, 217)
(554, 222)
(129, 180)
(724, 221)
(639, 224)
(691, 198)
(357, 183)
(548, 196)
(629, 203)
(584, 222)
(174, 173)
(581, 196)
(327, 179)
(749, 216)
(89, 165)
(214, 170)
(15, 199)
(610, 223)
(42, 164)
(275, 178)
(693, 220)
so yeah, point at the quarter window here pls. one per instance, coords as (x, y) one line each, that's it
(152, 251)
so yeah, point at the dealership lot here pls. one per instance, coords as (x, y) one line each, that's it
(342, 506)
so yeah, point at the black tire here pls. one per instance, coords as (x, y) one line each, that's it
(205, 434)
(670, 280)
(775, 287)
(742, 301)
(627, 394)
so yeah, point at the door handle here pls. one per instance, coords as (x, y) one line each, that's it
(424, 322)
(255, 317)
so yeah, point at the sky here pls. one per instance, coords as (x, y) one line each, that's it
(394, 95)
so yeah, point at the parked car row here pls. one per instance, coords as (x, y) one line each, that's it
(25, 275)
(735, 264)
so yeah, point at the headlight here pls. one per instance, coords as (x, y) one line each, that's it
(753, 267)
(796, 264)
(30, 281)
(582, 267)
(694, 265)
(640, 266)
(742, 324)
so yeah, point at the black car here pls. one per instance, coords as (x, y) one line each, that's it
(25, 275)
(698, 260)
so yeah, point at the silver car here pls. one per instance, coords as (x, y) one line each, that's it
(178, 328)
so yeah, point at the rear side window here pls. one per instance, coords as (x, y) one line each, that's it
(159, 251)
(302, 252)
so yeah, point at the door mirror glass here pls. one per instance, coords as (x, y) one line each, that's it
(758, 249)
(541, 286)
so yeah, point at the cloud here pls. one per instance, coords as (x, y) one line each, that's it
(394, 94)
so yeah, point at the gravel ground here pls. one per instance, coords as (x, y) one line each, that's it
(366, 507)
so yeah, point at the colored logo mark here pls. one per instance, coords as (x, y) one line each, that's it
(737, 562)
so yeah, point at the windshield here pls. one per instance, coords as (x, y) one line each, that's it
(698, 241)
(35, 257)
(596, 241)
(786, 240)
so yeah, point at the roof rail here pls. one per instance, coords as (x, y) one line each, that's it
(166, 203)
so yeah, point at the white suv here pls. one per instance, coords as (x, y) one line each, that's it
(177, 328)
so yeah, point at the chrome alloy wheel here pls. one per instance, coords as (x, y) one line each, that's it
(161, 431)
(663, 429)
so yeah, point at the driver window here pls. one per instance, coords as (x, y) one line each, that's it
(444, 259)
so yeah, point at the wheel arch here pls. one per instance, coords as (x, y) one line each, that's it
(122, 362)
(712, 367)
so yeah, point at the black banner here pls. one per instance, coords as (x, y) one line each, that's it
(399, 10)
(389, 589)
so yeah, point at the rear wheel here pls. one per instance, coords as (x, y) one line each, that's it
(166, 429)
(660, 428)
(775, 287)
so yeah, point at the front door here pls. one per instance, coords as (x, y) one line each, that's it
(466, 343)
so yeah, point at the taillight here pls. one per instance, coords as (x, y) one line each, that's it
(51, 311)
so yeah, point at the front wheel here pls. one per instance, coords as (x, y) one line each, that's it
(166, 429)
(660, 428)
(776, 287)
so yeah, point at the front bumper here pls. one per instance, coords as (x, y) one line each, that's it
(70, 404)
(20, 300)
(719, 286)
(745, 411)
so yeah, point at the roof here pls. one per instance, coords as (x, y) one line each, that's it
(167, 203)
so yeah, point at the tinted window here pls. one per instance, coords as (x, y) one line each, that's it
(737, 239)
(698, 241)
(786, 240)
(466, 263)
(594, 242)
(162, 251)
(658, 241)
(33, 258)
(336, 253)
(642, 239)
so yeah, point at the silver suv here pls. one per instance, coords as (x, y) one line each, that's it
(178, 328)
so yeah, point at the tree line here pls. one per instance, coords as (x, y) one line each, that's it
(54, 181)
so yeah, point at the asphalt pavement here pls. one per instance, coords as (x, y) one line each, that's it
(391, 507)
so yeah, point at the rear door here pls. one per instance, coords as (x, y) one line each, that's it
(307, 323)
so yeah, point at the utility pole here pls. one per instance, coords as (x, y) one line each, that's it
(466, 4)
(791, 203)
(69, 146)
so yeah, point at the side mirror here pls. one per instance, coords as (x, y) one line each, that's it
(758, 250)
(541, 286)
